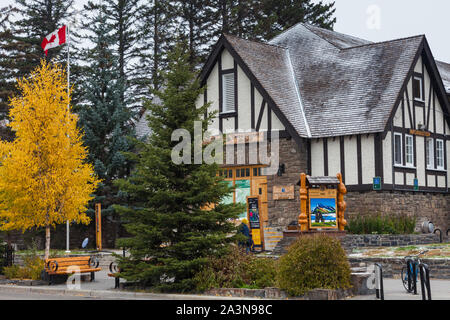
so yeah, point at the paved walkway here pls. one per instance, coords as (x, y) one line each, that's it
(393, 290)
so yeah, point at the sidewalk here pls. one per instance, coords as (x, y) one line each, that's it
(393, 290)
(103, 287)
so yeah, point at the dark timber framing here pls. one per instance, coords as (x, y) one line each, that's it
(215, 55)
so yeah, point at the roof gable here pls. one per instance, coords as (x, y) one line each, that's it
(329, 84)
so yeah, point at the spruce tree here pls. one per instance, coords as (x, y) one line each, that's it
(169, 215)
(275, 16)
(20, 43)
(105, 119)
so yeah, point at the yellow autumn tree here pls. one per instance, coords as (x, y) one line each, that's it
(44, 178)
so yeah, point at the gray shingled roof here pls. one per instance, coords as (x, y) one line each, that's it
(444, 70)
(346, 85)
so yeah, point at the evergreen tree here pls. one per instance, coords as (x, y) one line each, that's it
(20, 43)
(172, 231)
(103, 115)
(276, 16)
(156, 37)
(122, 20)
(196, 27)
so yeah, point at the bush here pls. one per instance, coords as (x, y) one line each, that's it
(237, 269)
(33, 266)
(379, 224)
(313, 262)
(11, 272)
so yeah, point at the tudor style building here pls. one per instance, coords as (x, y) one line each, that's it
(340, 104)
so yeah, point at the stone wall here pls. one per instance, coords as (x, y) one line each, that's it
(385, 240)
(295, 159)
(351, 241)
(432, 206)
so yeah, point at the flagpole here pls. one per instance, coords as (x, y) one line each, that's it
(68, 109)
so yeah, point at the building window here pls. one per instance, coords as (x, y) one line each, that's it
(429, 153)
(417, 88)
(228, 104)
(398, 149)
(409, 149)
(440, 154)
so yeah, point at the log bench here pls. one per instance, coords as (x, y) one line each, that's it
(71, 265)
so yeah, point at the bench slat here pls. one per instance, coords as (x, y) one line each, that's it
(81, 271)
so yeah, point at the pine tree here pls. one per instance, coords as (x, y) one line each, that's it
(276, 16)
(156, 37)
(20, 43)
(172, 231)
(122, 19)
(197, 27)
(104, 117)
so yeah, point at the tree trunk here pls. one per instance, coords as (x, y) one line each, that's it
(47, 242)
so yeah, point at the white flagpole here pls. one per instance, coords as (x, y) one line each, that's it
(68, 108)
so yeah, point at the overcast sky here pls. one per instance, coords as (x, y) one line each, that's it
(380, 20)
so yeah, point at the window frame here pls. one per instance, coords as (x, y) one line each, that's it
(225, 107)
(397, 134)
(421, 91)
(407, 163)
(440, 157)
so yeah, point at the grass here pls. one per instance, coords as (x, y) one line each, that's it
(435, 251)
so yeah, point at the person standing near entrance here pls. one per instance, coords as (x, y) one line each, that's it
(245, 230)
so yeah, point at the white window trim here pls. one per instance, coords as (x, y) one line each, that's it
(224, 98)
(401, 150)
(430, 166)
(422, 94)
(411, 164)
(442, 155)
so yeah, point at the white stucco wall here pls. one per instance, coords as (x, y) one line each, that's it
(368, 158)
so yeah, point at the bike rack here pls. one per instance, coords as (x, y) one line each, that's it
(379, 281)
(412, 276)
(425, 280)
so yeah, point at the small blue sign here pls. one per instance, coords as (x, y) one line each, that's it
(416, 184)
(377, 183)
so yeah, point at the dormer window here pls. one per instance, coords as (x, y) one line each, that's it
(418, 88)
(228, 102)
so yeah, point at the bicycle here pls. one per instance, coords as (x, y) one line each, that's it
(410, 272)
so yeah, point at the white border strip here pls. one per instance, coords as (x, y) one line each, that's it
(308, 131)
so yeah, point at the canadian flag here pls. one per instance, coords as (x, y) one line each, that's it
(54, 39)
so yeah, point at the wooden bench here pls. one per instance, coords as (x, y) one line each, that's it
(71, 265)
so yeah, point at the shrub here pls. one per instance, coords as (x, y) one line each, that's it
(33, 265)
(379, 224)
(11, 272)
(237, 269)
(313, 262)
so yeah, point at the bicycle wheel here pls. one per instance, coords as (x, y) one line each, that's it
(404, 277)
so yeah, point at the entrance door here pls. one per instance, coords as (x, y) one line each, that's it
(259, 188)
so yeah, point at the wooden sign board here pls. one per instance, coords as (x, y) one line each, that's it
(253, 215)
(283, 192)
(323, 209)
(420, 133)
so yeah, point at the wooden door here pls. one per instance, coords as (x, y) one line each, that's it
(259, 188)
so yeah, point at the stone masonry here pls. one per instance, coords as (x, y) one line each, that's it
(432, 206)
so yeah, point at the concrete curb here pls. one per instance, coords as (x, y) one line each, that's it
(114, 294)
